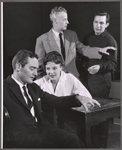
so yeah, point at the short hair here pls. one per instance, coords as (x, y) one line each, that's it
(53, 57)
(55, 11)
(102, 13)
(22, 57)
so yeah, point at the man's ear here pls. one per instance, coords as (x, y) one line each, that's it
(18, 66)
(107, 24)
(55, 20)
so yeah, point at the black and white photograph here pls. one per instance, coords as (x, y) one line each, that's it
(60, 74)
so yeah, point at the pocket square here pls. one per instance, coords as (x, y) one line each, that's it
(39, 99)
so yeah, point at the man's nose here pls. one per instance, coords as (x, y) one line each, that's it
(67, 22)
(35, 72)
(98, 25)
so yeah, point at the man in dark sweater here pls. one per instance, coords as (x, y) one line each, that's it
(99, 71)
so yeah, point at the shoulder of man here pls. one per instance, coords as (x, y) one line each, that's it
(43, 36)
(109, 35)
(86, 37)
(34, 87)
(111, 39)
(8, 81)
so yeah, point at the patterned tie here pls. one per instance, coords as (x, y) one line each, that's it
(62, 45)
(30, 103)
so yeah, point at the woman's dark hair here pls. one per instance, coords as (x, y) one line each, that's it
(53, 57)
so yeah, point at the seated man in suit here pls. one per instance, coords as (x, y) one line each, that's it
(64, 41)
(23, 100)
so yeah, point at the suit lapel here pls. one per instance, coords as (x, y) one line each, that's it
(16, 90)
(35, 97)
(66, 43)
(52, 42)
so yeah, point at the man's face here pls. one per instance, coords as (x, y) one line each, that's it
(99, 24)
(61, 21)
(29, 71)
(53, 71)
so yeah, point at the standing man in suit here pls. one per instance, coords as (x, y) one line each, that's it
(99, 71)
(23, 100)
(64, 41)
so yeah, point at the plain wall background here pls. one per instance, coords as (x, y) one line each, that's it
(23, 22)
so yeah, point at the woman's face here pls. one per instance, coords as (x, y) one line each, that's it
(53, 71)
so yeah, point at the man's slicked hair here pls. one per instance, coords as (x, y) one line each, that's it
(55, 11)
(22, 57)
(102, 13)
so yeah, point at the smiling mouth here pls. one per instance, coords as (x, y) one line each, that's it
(52, 76)
(98, 29)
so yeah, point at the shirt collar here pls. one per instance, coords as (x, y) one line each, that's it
(56, 33)
(20, 84)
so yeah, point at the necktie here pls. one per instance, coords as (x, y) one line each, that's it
(62, 45)
(30, 103)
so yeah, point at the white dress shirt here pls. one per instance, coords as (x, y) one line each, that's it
(68, 84)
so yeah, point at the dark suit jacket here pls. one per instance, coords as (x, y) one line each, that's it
(22, 120)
